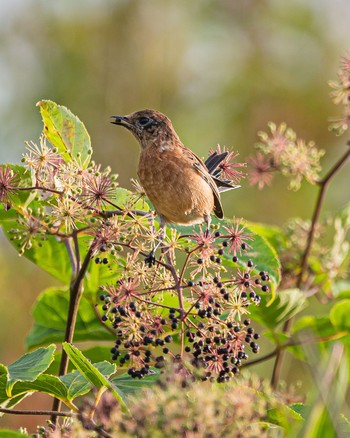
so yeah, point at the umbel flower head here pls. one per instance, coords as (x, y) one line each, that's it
(280, 150)
(42, 159)
(8, 185)
(341, 96)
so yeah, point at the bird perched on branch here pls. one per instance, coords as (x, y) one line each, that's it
(183, 189)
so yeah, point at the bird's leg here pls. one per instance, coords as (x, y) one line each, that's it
(150, 260)
(207, 219)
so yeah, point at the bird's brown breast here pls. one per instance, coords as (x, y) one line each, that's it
(175, 188)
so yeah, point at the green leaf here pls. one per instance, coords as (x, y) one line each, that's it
(287, 304)
(274, 235)
(94, 354)
(3, 384)
(50, 255)
(90, 372)
(5, 400)
(50, 315)
(47, 384)
(285, 417)
(340, 314)
(128, 385)
(29, 366)
(78, 385)
(66, 132)
(13, 401)
(43, 383)
(299, 408)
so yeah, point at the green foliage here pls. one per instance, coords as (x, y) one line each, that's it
(50, 312)
(92, 373)
(287, 304)
(339, 315)
(29, 367)
(198, 302)
(27, 375)
(66, 132)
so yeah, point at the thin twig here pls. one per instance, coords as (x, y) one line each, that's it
(294, 343)
(323, 184)
(39, 412)
(186, 262)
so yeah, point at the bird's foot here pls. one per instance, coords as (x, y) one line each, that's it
(150, 259)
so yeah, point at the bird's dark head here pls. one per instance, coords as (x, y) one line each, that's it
(150, 127)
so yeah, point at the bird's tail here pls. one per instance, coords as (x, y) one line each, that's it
(213, 165)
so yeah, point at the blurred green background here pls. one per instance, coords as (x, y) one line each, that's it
(219, 69)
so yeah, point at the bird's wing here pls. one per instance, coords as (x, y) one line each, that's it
(202, 170)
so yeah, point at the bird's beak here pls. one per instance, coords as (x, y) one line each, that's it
(122, 121)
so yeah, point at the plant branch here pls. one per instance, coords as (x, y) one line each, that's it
(181, 299)
(294, 343)
(76, 291)
(323, 185)
(39, 412)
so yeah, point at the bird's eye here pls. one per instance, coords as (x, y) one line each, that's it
(144, 121)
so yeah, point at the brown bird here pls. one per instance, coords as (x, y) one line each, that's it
(183, 189)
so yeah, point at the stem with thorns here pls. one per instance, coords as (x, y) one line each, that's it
(323, 185)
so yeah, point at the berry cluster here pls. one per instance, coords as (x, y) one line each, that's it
(221, 349)
(217, 284)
